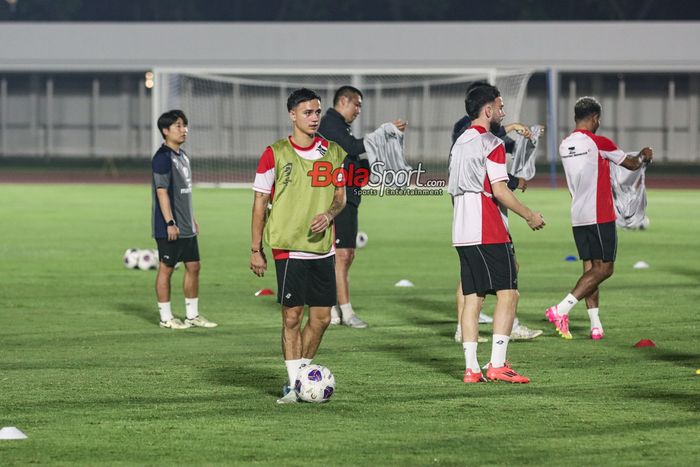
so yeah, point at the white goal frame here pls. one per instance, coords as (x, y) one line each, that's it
(160, 98)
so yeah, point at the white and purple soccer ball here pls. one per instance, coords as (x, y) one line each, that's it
(315, 383)
(148, 259)
(361, 239)
(131, 258)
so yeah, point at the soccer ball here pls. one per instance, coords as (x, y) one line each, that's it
(147, 260)
(315, 383)
(361, 240)
(131, 258)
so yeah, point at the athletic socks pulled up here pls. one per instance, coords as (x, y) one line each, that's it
(567, 304)
(192, 307)
(470, 356)
(499, 349)
(595, 319)
(166, 313)
(293, 367)
(346, 311)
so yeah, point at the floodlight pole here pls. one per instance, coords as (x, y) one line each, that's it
(552, 123)
(356, 82)
(3, 117)
(156, 109)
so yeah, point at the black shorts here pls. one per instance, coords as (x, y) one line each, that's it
(487, 268)
(182, 249)
(306, 282)
(596, 241)
(346, 227)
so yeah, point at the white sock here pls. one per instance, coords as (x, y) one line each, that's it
(595, 320)
(292, 370)
(305, 361)
(499, 349)
(192, 307)
(459, 329)
(334, 312)
(470, 356)
(346, 311)
(516, 323)
(166, 313)
(567, 304)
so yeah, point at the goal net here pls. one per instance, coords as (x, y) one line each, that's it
(234, 116)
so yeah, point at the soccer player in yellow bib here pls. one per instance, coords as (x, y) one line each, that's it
(301, 177)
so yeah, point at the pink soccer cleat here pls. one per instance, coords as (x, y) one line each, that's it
(563, 327)
(597, 334)
(561, 322)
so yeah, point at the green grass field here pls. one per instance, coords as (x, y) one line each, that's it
(88, 375)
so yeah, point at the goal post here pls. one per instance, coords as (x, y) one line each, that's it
(234, 114)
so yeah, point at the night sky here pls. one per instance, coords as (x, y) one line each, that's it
(349, 10)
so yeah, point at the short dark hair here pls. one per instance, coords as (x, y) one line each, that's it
(475, 84)
(346, 91)
(170, 117)
(478, 96)
(301, 95)
(586, 107)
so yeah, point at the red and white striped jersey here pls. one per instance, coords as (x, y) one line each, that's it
(586, 158)
(477, 160)
(265, 183)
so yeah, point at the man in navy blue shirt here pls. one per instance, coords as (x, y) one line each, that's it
(174, 227)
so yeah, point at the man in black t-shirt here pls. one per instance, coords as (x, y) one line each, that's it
(335, 126)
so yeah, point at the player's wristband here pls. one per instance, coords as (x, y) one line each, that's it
(253, 250)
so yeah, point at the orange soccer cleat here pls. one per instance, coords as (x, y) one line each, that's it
(505, 373)
(471, 377)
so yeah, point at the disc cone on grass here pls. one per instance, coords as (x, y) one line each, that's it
(11, 432)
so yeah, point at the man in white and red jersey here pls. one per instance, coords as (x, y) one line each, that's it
(478, 185)
(296, 175)
(586, 158)
(520, 330)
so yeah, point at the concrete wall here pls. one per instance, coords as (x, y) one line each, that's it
(659, 110)
(109, 114)
(586, 46)
(77, 89)
(68, 114)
